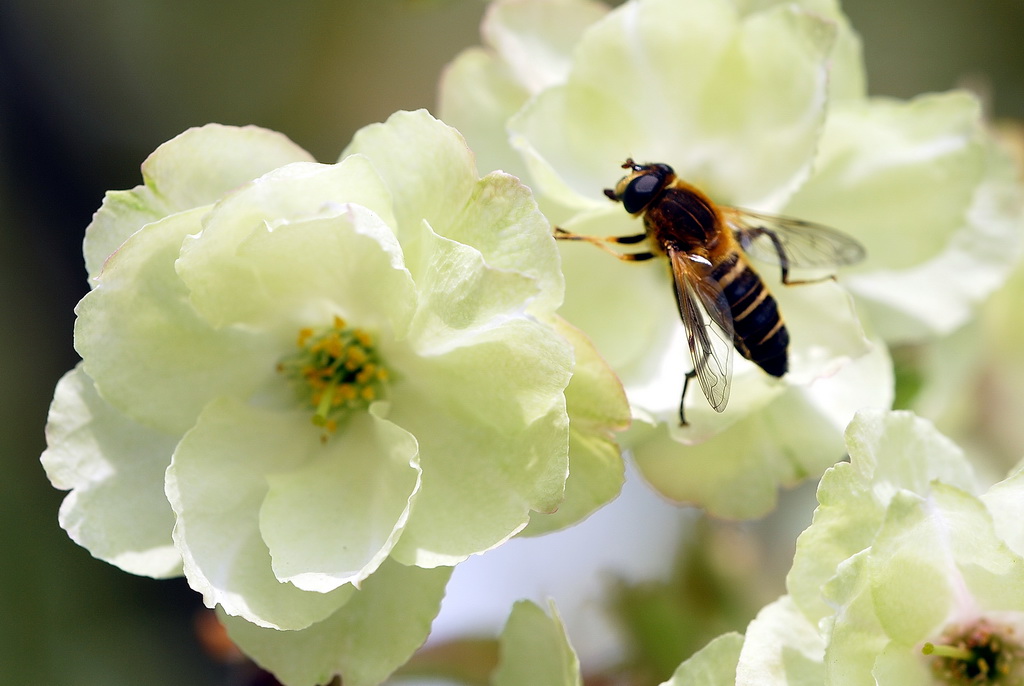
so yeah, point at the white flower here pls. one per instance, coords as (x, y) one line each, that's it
(906, 576)
(763, 106)
(307, 386)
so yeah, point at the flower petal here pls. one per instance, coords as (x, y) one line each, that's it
(899, 665)
(597, 402)
(934, 554)
(596, 475)
(923, 301)
(477, 95)
(890, 448)
(855, 642)
(225, 285)
(490, 419)
(865, 382)
(712, 665)
(358, 491)
(114, 468)
(887, 452)
(460, 295)
(535, 650)
(427, 166)
(311, 269)
(505, 377)
(503, 222)
(691, 84)
(762, 452)
(532, 43)
(825, 332)
(781, 647)
(364, 641)
(432, 176)
(847, 80)
(825, 338)
(216, 485)
(929, 196)
(190, 170)
(596, 469)
(896, 175)
(480, 486)
(904, 569)
(1005, 500)
(140, 310)
(537, 38)
(934, 564)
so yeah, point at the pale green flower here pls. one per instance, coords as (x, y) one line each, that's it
(906, 576)
(307, 386)
(762, 105)
(734, 96)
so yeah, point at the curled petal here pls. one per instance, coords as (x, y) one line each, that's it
(359, 489)
(114, 468)
(190, 170)
(216, 485)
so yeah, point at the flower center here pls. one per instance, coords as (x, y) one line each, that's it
(336, 371)
(980, 654)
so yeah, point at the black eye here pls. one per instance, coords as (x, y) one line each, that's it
(641, 191)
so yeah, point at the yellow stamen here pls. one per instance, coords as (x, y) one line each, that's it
(367, 373)
(333, 346)
(338, 371)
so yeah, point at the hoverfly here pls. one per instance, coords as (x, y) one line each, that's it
(722, 300)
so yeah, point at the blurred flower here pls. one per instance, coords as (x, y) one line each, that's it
(935, 198)
(535, 650)
(906, 576)
(313, 388)
(762, 105)
(713, 665)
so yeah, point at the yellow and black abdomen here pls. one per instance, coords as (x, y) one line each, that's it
(760, 334)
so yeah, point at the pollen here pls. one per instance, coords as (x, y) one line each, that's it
(336, 371)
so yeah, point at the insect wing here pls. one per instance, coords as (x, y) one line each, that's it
(707, 320)
(791, 242)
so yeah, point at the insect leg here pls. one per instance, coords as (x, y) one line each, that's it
(804, 282)
(638, 238)
(777, 244)
(682, 398)
(563, 235)
(784, 260)
(602, 243)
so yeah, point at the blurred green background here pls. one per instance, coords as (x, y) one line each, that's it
(88, 89)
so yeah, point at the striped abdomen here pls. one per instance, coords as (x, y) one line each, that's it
(761, 335)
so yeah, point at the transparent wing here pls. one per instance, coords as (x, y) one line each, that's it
(707, 319)
(791, 242)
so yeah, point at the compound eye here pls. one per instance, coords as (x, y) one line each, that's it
(641, 191)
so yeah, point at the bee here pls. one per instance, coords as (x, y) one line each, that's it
(722, 300)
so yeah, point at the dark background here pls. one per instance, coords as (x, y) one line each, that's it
(88, 90)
